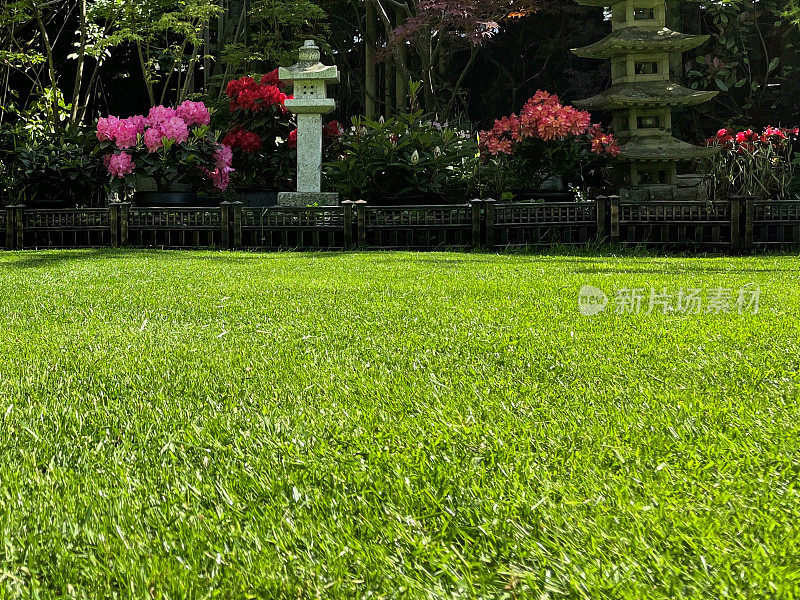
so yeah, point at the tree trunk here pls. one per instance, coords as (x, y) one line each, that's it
(370, 74)
(76, 92)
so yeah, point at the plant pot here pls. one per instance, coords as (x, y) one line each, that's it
(258, 197)
(170, 199)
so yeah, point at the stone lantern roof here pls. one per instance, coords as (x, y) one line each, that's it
(645, 94)
(310, 78)
(662, 149)
(641, 39)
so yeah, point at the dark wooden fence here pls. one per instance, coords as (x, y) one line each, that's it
(741, 224)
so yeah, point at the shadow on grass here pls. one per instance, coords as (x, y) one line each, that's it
(34, 259)
(583, 258)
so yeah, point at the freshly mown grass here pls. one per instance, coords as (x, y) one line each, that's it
(192, 425)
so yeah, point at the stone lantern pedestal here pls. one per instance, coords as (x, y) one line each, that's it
(310, 78)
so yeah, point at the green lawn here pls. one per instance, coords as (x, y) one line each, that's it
(403, 425)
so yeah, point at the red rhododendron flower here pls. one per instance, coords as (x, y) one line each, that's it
(271, 78)
(247, 94)
(292, 139)
(247, 141)
(333, 130)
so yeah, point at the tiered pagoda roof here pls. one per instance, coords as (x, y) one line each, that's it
(646, 94)
(641, 39)
(662, 149)
(642, 92)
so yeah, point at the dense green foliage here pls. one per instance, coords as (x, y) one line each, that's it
(402, 157)
(393, 425)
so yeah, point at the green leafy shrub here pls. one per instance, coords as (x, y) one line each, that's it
(47, 166)
(402, 158)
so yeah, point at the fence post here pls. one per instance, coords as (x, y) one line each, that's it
(225, 224)
(237, 225)
(601, 206)
(749, 218)
(347, 208)
(18, 225)
(124, 216)
(614, 219)
(113, 223)
(10, 227)
(489, 220)
(476, 222)
(736, 221)
(361, 216)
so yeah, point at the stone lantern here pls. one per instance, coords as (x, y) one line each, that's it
(310, 78)
(643, 91)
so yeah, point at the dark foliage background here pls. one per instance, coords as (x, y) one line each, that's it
(751, 59)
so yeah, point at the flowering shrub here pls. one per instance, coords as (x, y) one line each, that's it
(169, 144)
(399, 158)
(753, 164)
(546, 139)
(258, 126)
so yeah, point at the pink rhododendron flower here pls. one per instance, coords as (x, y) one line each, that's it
(159, 114)
(119, 165)
(125, 134)
(175, 128)
(137, 122)
(194, 113)
(220, 177)
(223, 156)
(121, 131)
(153, 139)
(544, 118)
(106, 127)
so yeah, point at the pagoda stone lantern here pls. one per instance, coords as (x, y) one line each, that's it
(310, 78)
(643, 93)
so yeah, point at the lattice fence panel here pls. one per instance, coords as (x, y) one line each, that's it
(417, 227)
(776, 222)
(544, 224)
(66, 228)
(675, 223)
(175, 227)
(293, 228)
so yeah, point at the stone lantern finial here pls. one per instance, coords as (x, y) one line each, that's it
(309, 52)
(310, 79)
